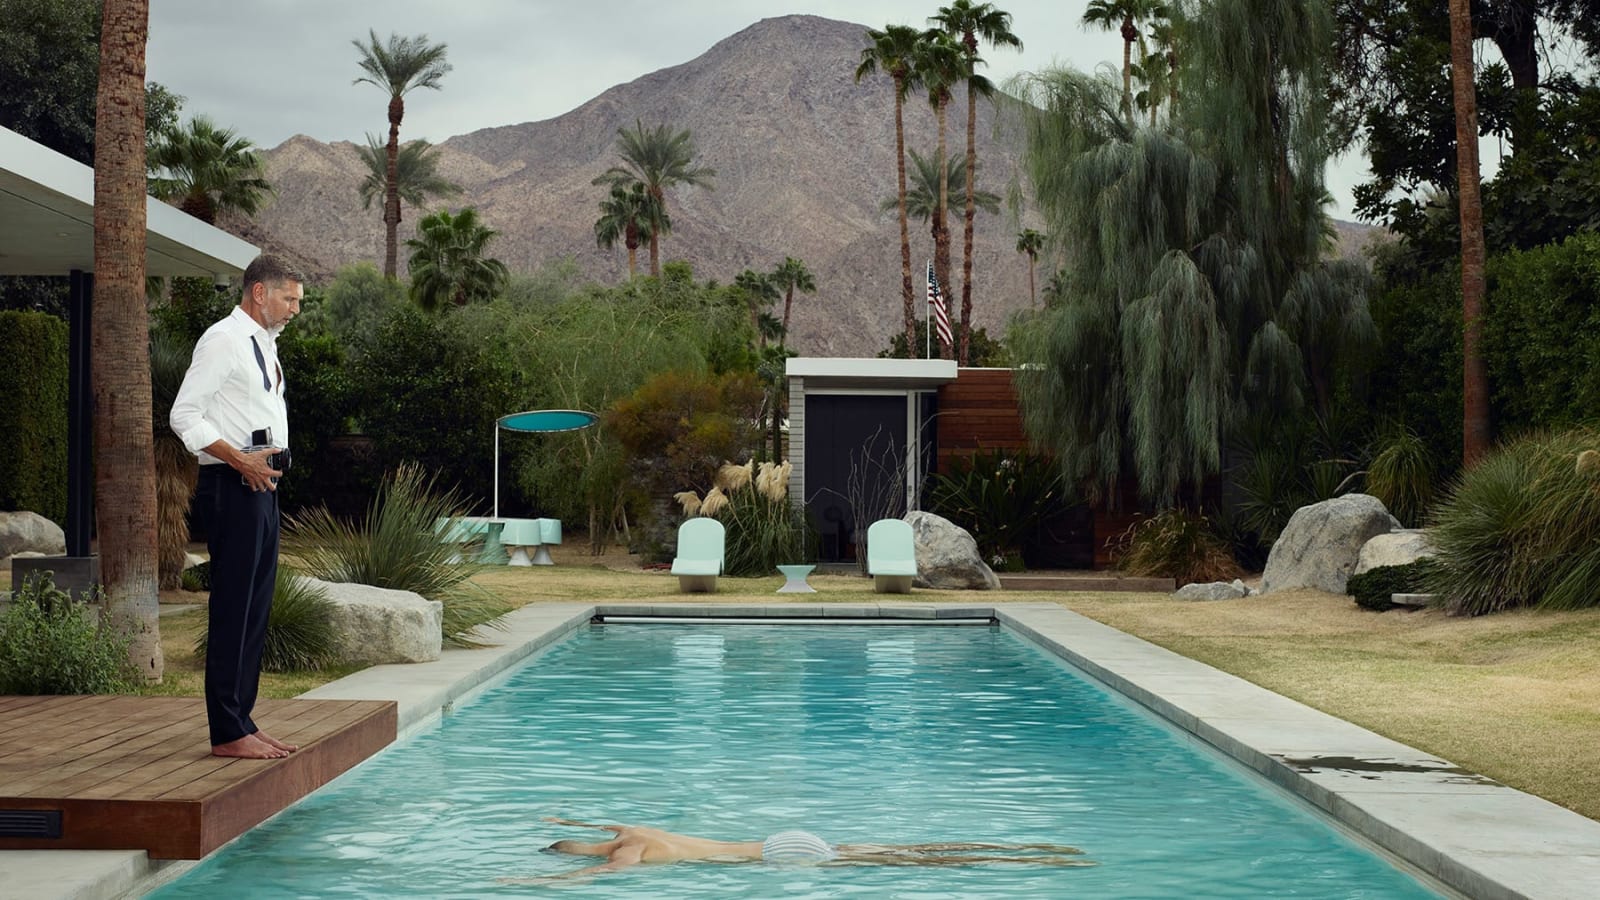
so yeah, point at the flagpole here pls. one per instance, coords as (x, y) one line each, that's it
(927, 310)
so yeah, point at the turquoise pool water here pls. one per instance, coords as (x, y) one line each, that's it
(880, 734)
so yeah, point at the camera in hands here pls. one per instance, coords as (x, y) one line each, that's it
(261, 439)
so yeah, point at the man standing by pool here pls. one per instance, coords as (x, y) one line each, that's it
(231, 413)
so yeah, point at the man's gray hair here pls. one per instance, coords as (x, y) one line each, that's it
(271, 271)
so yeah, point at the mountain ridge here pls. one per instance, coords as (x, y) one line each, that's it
(803, 155)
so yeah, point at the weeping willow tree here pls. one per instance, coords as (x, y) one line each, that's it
(1194, 301)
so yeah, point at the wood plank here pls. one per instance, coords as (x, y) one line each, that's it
(195, 783)
(209, 783)
(94, 768)
(64, 736)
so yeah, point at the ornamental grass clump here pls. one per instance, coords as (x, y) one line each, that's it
(52, 644)
(396, 546)
(1001, 498)
(300, 633)
(1175, 544)
(1522, 528)
(764, 529)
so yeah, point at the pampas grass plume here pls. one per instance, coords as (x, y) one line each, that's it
(731, 476)
(690, 501)
(1589, 463)
(714, 502)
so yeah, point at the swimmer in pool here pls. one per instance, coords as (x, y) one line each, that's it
(635, 844)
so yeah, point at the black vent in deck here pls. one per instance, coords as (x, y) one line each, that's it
(30, 823)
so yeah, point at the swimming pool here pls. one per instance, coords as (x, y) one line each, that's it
(891, 734)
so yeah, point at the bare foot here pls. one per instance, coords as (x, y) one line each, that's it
(248, 747)
(274, 742)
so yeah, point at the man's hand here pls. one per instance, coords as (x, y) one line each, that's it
(256, 471)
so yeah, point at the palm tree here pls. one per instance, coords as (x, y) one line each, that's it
(125, 489)
(759, 293)
(659, 158)
(791, 275)
(399, 67)
(942, 63)
(969, 22)
(1031, 242)
(922, 200)
(208, 170)
(629, 214)
(1121, 16)
(448, 263)
(417, 177)
(894, 50)
(1475, 374)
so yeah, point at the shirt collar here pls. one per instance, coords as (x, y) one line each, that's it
(243, 322)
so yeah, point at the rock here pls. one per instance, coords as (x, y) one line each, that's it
(377, 625)
(1216, 590)
(190, 560)
(29, 532)
(1399, 548)
(1322, 542)
(947, 556)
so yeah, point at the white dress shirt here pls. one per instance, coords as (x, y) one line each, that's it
(223, 396)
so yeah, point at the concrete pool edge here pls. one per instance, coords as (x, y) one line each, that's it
(1477, 837)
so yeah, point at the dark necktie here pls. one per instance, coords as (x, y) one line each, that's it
(266, 380)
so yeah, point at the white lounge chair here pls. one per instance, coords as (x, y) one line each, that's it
(700, 551)
(891, 556)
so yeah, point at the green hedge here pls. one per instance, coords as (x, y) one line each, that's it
(33, 413)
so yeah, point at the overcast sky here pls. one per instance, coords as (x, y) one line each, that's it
(272, 69)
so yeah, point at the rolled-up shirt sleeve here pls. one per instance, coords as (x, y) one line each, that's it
(207, 371)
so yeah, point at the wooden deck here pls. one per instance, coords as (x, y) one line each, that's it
(136, 773)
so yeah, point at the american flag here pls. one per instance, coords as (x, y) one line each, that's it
(941, 315)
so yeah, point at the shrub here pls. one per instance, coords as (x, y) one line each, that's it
(198, 577)
(1401, 475)
(1000, 497)
(1373, 588)
(764, 529)
(300, 634)
(431, 397)
(1175, 544)
(33, 413)
(396, 546)
(1522, 528)
(51, 644)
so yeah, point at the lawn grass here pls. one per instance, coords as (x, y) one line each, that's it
(1514, 696)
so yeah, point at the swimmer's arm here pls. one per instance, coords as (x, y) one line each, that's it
(622, 858)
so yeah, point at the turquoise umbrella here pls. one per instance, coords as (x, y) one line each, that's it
(536, 421)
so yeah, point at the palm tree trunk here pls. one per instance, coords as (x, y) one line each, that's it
(176, 474)
(1127, 67)
(906, 289)
(966, 232)
(788, 300)
(941, 233)
(655, 255)
(391, 192)
(1475, 433)
(125, 490)
(1033, 295)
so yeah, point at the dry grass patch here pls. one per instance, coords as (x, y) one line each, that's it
(1515, 696)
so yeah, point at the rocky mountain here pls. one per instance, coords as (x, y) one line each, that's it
(803, 155)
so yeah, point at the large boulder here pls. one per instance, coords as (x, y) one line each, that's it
(378, 625)
(29, 532)
(1400, 548)
(1321, 544)
(947, 556)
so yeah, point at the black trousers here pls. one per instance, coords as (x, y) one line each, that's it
(242, 527)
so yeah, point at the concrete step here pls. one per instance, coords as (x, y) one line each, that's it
(1102, 583)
